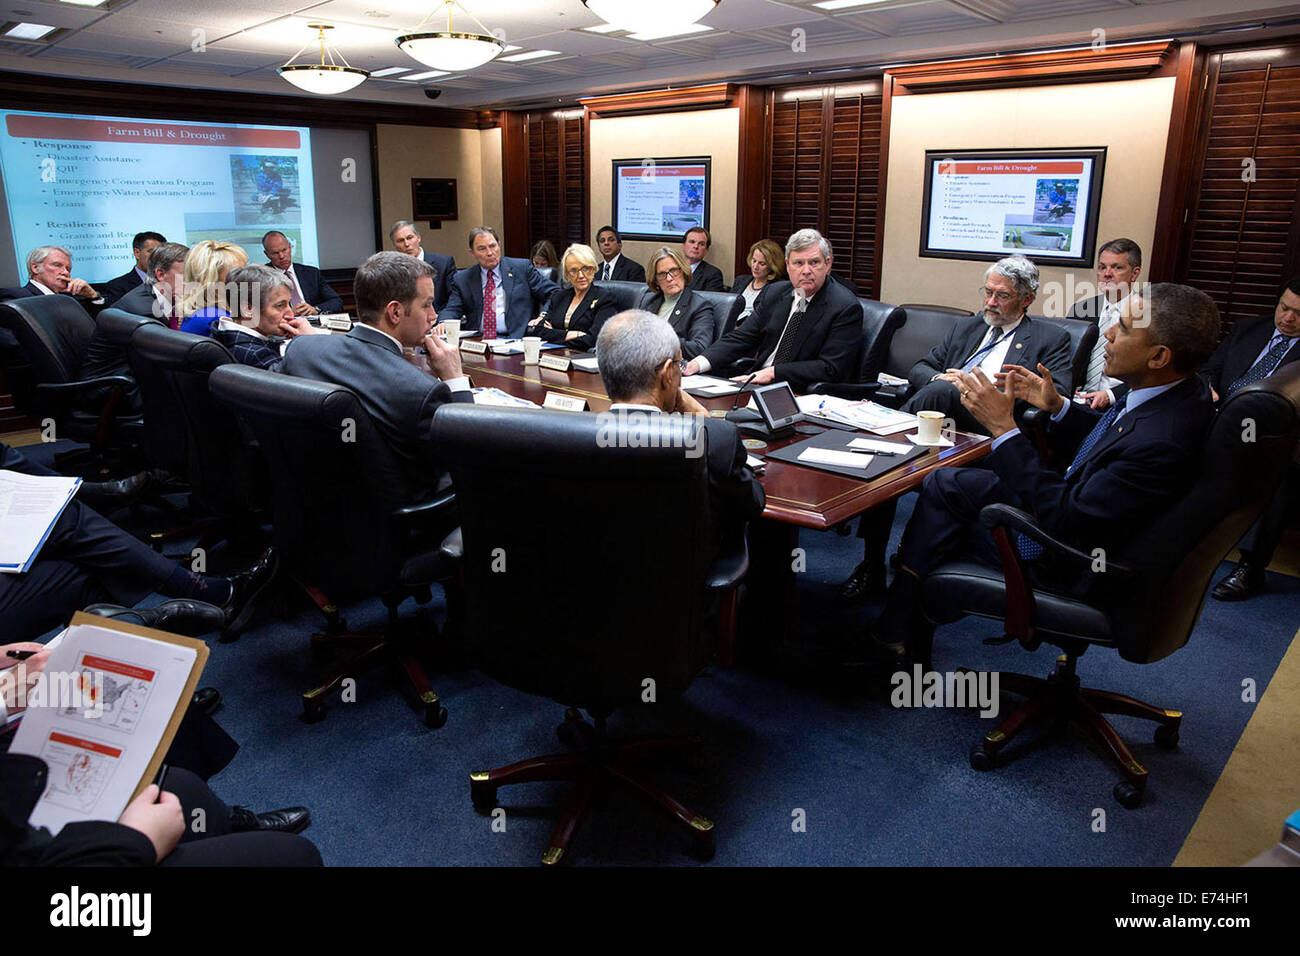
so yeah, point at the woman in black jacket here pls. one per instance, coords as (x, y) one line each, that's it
(576, 312)
(687, 312)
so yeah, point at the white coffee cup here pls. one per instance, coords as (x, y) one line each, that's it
(929, 427)
(452, 329)
(532, 349)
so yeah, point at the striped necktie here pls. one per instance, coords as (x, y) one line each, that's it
(1097, 361)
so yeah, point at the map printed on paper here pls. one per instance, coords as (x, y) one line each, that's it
(121, 689)
(80, 769)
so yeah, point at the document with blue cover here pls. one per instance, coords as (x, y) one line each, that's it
(29, 507)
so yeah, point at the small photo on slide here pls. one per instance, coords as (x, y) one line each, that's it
(1055, 201)
(690, 195)
(1026, 235)
(676, 220)
(265, 189)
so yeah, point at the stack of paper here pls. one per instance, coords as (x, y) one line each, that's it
(494, 396)
(865, 415)
(29, 507)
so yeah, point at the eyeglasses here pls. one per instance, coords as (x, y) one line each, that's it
(673, 273)
(581, 271)
(1002, 298)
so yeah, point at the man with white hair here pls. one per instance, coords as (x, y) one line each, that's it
(809, 330)
(1000, 333)
(640, 359)
(49, 270)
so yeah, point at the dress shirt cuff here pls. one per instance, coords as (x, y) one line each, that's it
(1065, 408)
(459, 384)
(1003, 438)
(703, 363)
(1110, 394)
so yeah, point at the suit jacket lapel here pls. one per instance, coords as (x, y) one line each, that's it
(1251, 346)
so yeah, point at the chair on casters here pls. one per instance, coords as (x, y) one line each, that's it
(645, 593)
(1147, 600)
(344, 523)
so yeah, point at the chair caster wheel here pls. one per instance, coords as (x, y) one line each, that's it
(1166, 736)
(981, 759)
(1129, 795)
(435, 717)
(484, 796)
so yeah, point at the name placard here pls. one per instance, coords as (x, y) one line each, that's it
(336, 322)
(561, 363)
(564, 403)
(478, 348)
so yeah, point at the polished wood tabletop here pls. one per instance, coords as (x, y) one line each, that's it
(808, 497)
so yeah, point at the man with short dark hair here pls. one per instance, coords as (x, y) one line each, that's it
(395, 305)
(1254, 350)
(141, 246)
(498, 296)
(615, 266)
(160, 297)
(1119, 263)
(808, 330)
(640, 360)
(704, 276)
(309, 293)
(1126, 466)
(406, 238)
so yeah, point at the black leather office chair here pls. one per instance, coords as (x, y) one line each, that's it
(724, 304)
(1147, 601)
(106, 351)
(344, 524)
(1083, 336)
(53, 332)
(641, 611)
(880, 322)
(625, 294)
(945, 309)
(917, 331)
(204, 444)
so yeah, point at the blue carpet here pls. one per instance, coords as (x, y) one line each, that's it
(876, 785)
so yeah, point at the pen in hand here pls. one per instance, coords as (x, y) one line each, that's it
(19, 655)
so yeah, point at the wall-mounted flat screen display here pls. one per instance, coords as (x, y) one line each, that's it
(661, 198)
(986, 204)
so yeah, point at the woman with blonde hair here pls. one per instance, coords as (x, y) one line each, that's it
(576, 312)
(688, 312)
(766, 265)
(206, 267)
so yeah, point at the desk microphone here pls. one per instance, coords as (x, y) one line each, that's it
(743, 385)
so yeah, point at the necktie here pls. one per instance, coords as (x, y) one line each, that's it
(490, 307)
(1265, 366)
(604, 272)
(1030, 549)
(980, 353)
(1097, 362)
(786, 348)
(294, 297)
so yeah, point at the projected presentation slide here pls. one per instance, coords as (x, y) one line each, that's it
(987, 205)
(661, 198)
(90, 183)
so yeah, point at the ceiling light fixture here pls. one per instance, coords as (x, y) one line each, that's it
(448, 49)
(325, 79)
(650, 17)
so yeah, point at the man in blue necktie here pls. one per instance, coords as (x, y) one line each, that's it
(1125, 466)
(1255, 349)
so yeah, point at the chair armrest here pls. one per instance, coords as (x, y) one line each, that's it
(730, 567)
(434, 514)
(741, 366)
(854, 391)
(69, 389)
(453, 546)
(1020, 522)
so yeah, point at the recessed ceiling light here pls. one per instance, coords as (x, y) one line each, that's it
(532, 55)
(511, 46)
(392, 71)
(426, 76)
(28, 31)
(603, 28)
(86, 3)
(670, 32)
(844, 4)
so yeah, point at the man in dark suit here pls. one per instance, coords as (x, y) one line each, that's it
(640, 361)
(518, 290)
(309, 293)
(704, 277)
(49, 270)
(615, 265)
(395, 305)
(406, 238)
(810, 332)
(1002, 334)
(1254, 350)
(1127, 465)
(1119, 263)
(141, 246)
(87, 559)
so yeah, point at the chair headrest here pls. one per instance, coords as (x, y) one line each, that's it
(273, 396)
(178, 351)
(118, 326)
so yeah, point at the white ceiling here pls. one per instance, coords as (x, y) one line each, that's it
(243, 41)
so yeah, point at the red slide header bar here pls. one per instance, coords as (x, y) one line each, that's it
(1011, 168)
(661, 170)
(173, 134)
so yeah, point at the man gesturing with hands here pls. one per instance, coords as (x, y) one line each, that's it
(1124, 466)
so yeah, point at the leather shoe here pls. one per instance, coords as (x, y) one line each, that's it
(1245, 581)
(105, 496)
(867, 580)
(245, 588)
(179, 615)
(288, 820)
(206, 700)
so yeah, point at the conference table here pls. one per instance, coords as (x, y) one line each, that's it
(796, 495)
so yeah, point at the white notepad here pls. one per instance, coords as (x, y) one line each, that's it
(829, 456)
